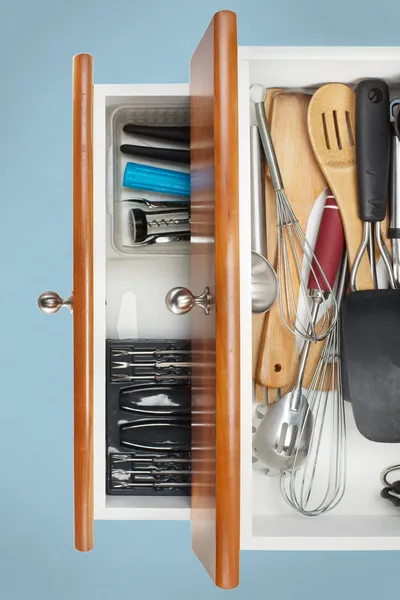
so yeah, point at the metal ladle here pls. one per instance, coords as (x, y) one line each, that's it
(264, 281)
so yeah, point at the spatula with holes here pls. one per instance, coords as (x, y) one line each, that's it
(331, 127)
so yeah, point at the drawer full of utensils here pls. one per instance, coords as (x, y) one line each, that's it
(148, 417)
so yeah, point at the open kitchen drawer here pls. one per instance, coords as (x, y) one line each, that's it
(234, 506)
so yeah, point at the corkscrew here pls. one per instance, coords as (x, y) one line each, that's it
(149, 226)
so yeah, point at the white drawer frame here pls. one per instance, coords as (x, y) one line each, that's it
(287, 67)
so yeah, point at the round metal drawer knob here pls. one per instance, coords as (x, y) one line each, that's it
(50, 302)
(180, 300)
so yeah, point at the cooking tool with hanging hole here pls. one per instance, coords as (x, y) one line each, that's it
(371, 318)
(372, 152)
(264, 282)
(317, 484)
(258, 320)
(285, 431)
(331, 127)
(292, 242)
(286, 115)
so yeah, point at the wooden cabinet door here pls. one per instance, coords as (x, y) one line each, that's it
(83, 299)
(215, 269)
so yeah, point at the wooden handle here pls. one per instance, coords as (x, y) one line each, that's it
(83, 298)
(339, 163)
(288, 125)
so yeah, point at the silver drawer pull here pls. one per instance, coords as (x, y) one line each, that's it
(50, 302)
(180, 300)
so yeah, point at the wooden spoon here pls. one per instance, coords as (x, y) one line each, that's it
(331, 126)
(303, 182)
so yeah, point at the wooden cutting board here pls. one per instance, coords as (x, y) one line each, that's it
(303, 183)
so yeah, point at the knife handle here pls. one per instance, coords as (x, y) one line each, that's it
(171, 134)
(167, 154)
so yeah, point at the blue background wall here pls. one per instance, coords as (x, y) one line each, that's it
(132, 42)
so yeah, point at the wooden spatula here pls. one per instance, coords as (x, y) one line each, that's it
(303, 182)
(331, 126)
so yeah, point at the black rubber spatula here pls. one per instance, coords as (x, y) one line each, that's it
(371, 318)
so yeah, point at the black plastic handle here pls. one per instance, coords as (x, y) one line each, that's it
(171, 134)
(167, 154)
(372, 148)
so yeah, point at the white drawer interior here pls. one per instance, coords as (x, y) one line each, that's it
(363, 520)
(131, 283)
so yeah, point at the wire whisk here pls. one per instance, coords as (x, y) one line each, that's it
(296, 258)
(317, 485)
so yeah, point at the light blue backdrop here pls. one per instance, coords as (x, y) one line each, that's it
(148, 41)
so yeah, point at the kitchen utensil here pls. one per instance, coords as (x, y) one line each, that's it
(153, 365)
(123, 458)
(259, 319)
(316, 485)
(165, 154)
(284, 433)
(147, 225)
(158, 436)
(162, 238)
(164, 181)
(370, 350)
(155, 484)
(370, 358)
(394, 190)
(331, 127)
(155, 471)
(165, 377)
(156, 400)
(264, 282)
(293, 243)
(116, 352)
(286, 115)
(373, 155)
(171, 134)
(288, 126)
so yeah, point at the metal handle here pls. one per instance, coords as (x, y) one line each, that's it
(180, 301)
(258, 227)
(257, 95)
(50, 302)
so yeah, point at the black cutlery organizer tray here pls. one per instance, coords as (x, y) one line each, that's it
(158, 412)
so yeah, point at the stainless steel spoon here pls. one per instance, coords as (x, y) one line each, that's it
(264, 281)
